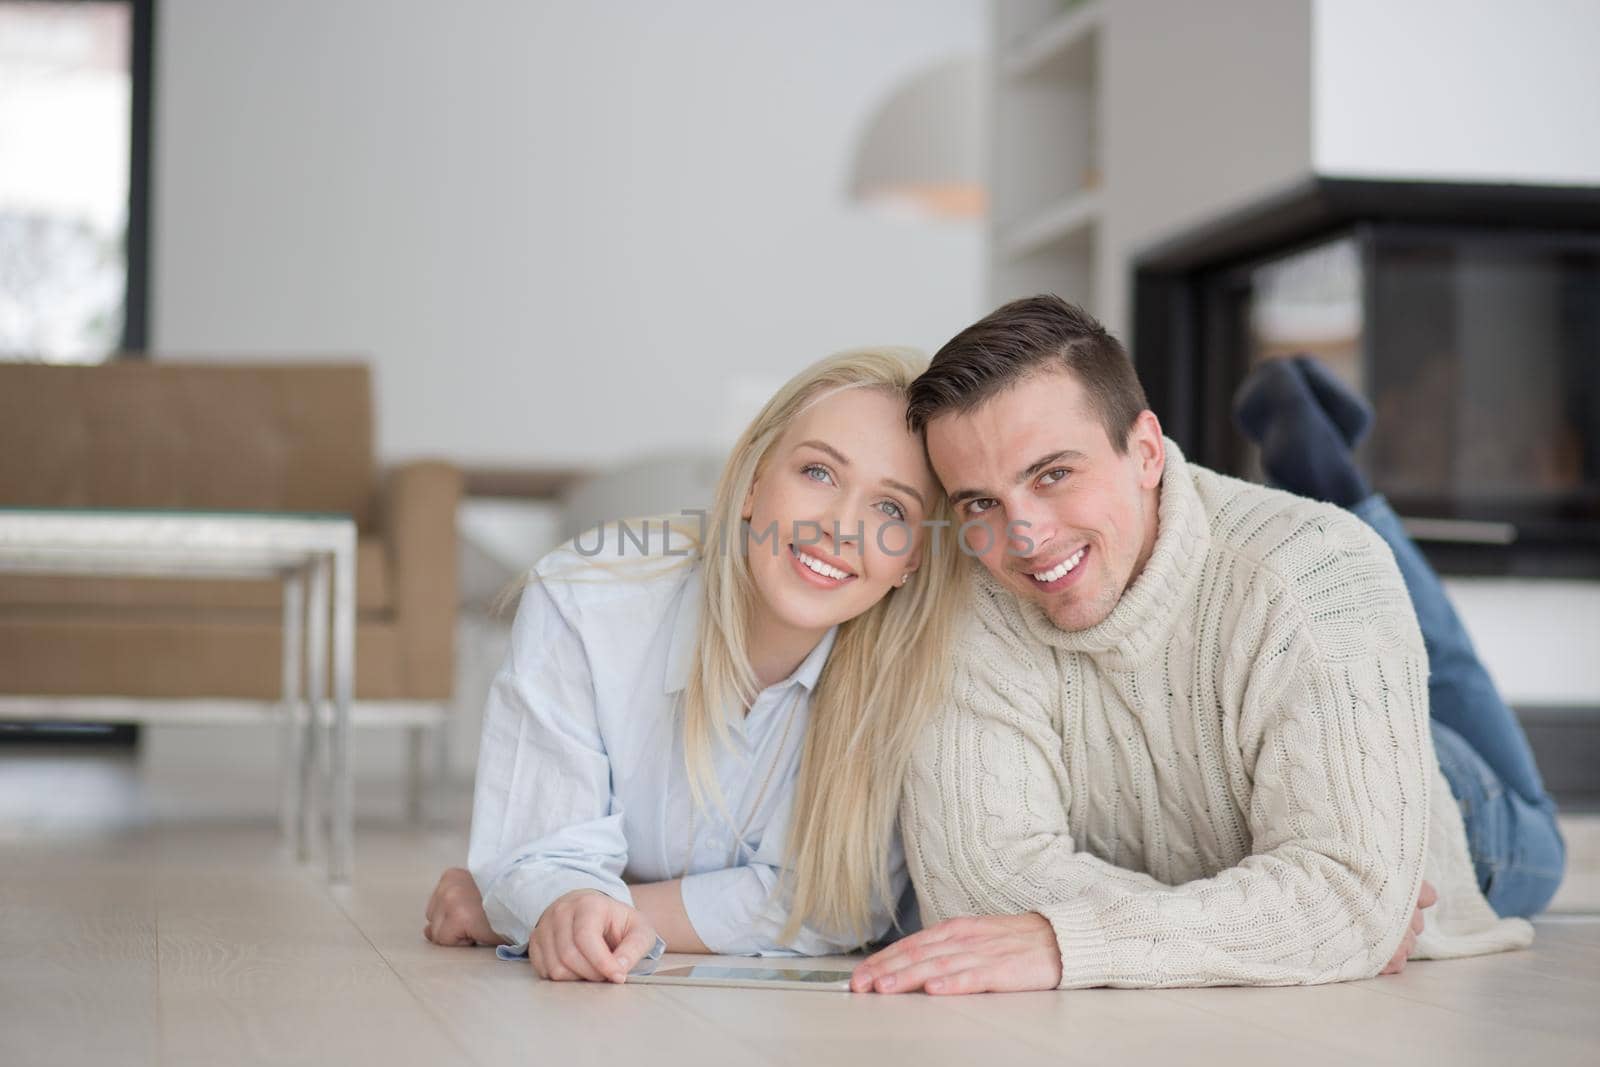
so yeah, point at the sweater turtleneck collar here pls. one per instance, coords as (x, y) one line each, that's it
(1149, 608)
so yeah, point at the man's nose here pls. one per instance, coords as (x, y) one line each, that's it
(1029, 528)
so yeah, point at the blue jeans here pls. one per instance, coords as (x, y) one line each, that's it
(1516, 846)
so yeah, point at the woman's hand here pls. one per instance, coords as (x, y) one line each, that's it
(455, 912)
(587, 936)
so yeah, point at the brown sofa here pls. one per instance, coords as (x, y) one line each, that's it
(283, 437)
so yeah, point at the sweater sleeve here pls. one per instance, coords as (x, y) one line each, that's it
(1335, 746)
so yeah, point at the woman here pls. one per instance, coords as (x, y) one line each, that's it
(701, 748)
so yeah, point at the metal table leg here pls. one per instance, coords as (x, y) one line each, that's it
(291, 733)
(342, 846)
(316, 698)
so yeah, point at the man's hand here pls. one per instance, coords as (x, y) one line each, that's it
(1425, 899)
(987, 954)
(455, 912)
(586, 936)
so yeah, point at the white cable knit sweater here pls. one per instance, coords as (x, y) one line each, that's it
(1229, 780)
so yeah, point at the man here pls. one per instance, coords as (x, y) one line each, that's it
(1187, 740)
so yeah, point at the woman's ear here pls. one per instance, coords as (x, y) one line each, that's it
(748, 507)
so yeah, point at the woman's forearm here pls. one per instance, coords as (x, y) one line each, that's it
(662, 904)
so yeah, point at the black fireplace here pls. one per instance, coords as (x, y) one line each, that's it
(1469, 316)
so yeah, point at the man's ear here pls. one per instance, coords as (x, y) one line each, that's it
(1148, 446)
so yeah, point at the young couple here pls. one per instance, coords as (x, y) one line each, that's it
(1172, 728)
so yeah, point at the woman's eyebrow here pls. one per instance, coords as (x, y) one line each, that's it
(906, 489)
(823, 446)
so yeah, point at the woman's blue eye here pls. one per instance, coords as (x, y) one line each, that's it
(894, 511)
(808, 468)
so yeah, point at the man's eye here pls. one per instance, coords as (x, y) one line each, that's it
(979, 506)
(1053, 476)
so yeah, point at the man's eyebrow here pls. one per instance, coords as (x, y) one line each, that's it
(1027, 472)
(823, 446)
(1044, 461)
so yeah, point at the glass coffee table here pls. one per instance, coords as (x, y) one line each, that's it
(313, 555)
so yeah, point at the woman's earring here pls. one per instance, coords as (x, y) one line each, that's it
(904, 577)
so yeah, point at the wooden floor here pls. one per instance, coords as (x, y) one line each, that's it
(127, 937)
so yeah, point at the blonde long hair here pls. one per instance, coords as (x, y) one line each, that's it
(885, 673)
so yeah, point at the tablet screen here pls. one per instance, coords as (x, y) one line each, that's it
(753, 974)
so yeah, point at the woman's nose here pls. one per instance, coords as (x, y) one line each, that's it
(845, 525)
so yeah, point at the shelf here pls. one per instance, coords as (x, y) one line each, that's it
(1069, 222)
(1063, 47)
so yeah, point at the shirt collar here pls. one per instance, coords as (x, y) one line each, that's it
(685, 628)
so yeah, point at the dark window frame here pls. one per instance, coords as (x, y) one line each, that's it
(141, 67)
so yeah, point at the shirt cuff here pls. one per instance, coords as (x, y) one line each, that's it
(514, 904)
(644, 966)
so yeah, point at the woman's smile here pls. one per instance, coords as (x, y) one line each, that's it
(820, 572)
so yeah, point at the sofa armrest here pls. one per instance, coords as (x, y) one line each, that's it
(419, 529)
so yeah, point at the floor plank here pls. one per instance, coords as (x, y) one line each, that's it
(1360, 1022)
(258, 964)
(1559, 1001)
(78, 956)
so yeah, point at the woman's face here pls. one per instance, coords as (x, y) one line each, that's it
(836, 512)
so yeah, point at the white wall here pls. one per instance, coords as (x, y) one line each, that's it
(1206, 109)
(1458, 90)
(1211, 106)
(563, 232)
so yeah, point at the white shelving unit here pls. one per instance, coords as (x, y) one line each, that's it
(1045, 172)
(1061, 45)
(1070, 222)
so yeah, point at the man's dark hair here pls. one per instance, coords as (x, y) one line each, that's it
(1017, 339)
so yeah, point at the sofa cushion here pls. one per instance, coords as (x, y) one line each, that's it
(84, 656)
(159, 434)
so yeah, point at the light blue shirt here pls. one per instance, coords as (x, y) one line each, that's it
(581, 780)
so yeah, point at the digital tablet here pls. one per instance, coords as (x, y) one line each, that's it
(749, 977)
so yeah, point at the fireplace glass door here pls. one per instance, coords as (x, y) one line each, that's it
(1478, 349)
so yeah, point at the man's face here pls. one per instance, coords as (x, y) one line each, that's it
(1034, 462)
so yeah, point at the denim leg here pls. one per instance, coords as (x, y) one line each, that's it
(1516, 844)
(1517, 851)
(1461, 694)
